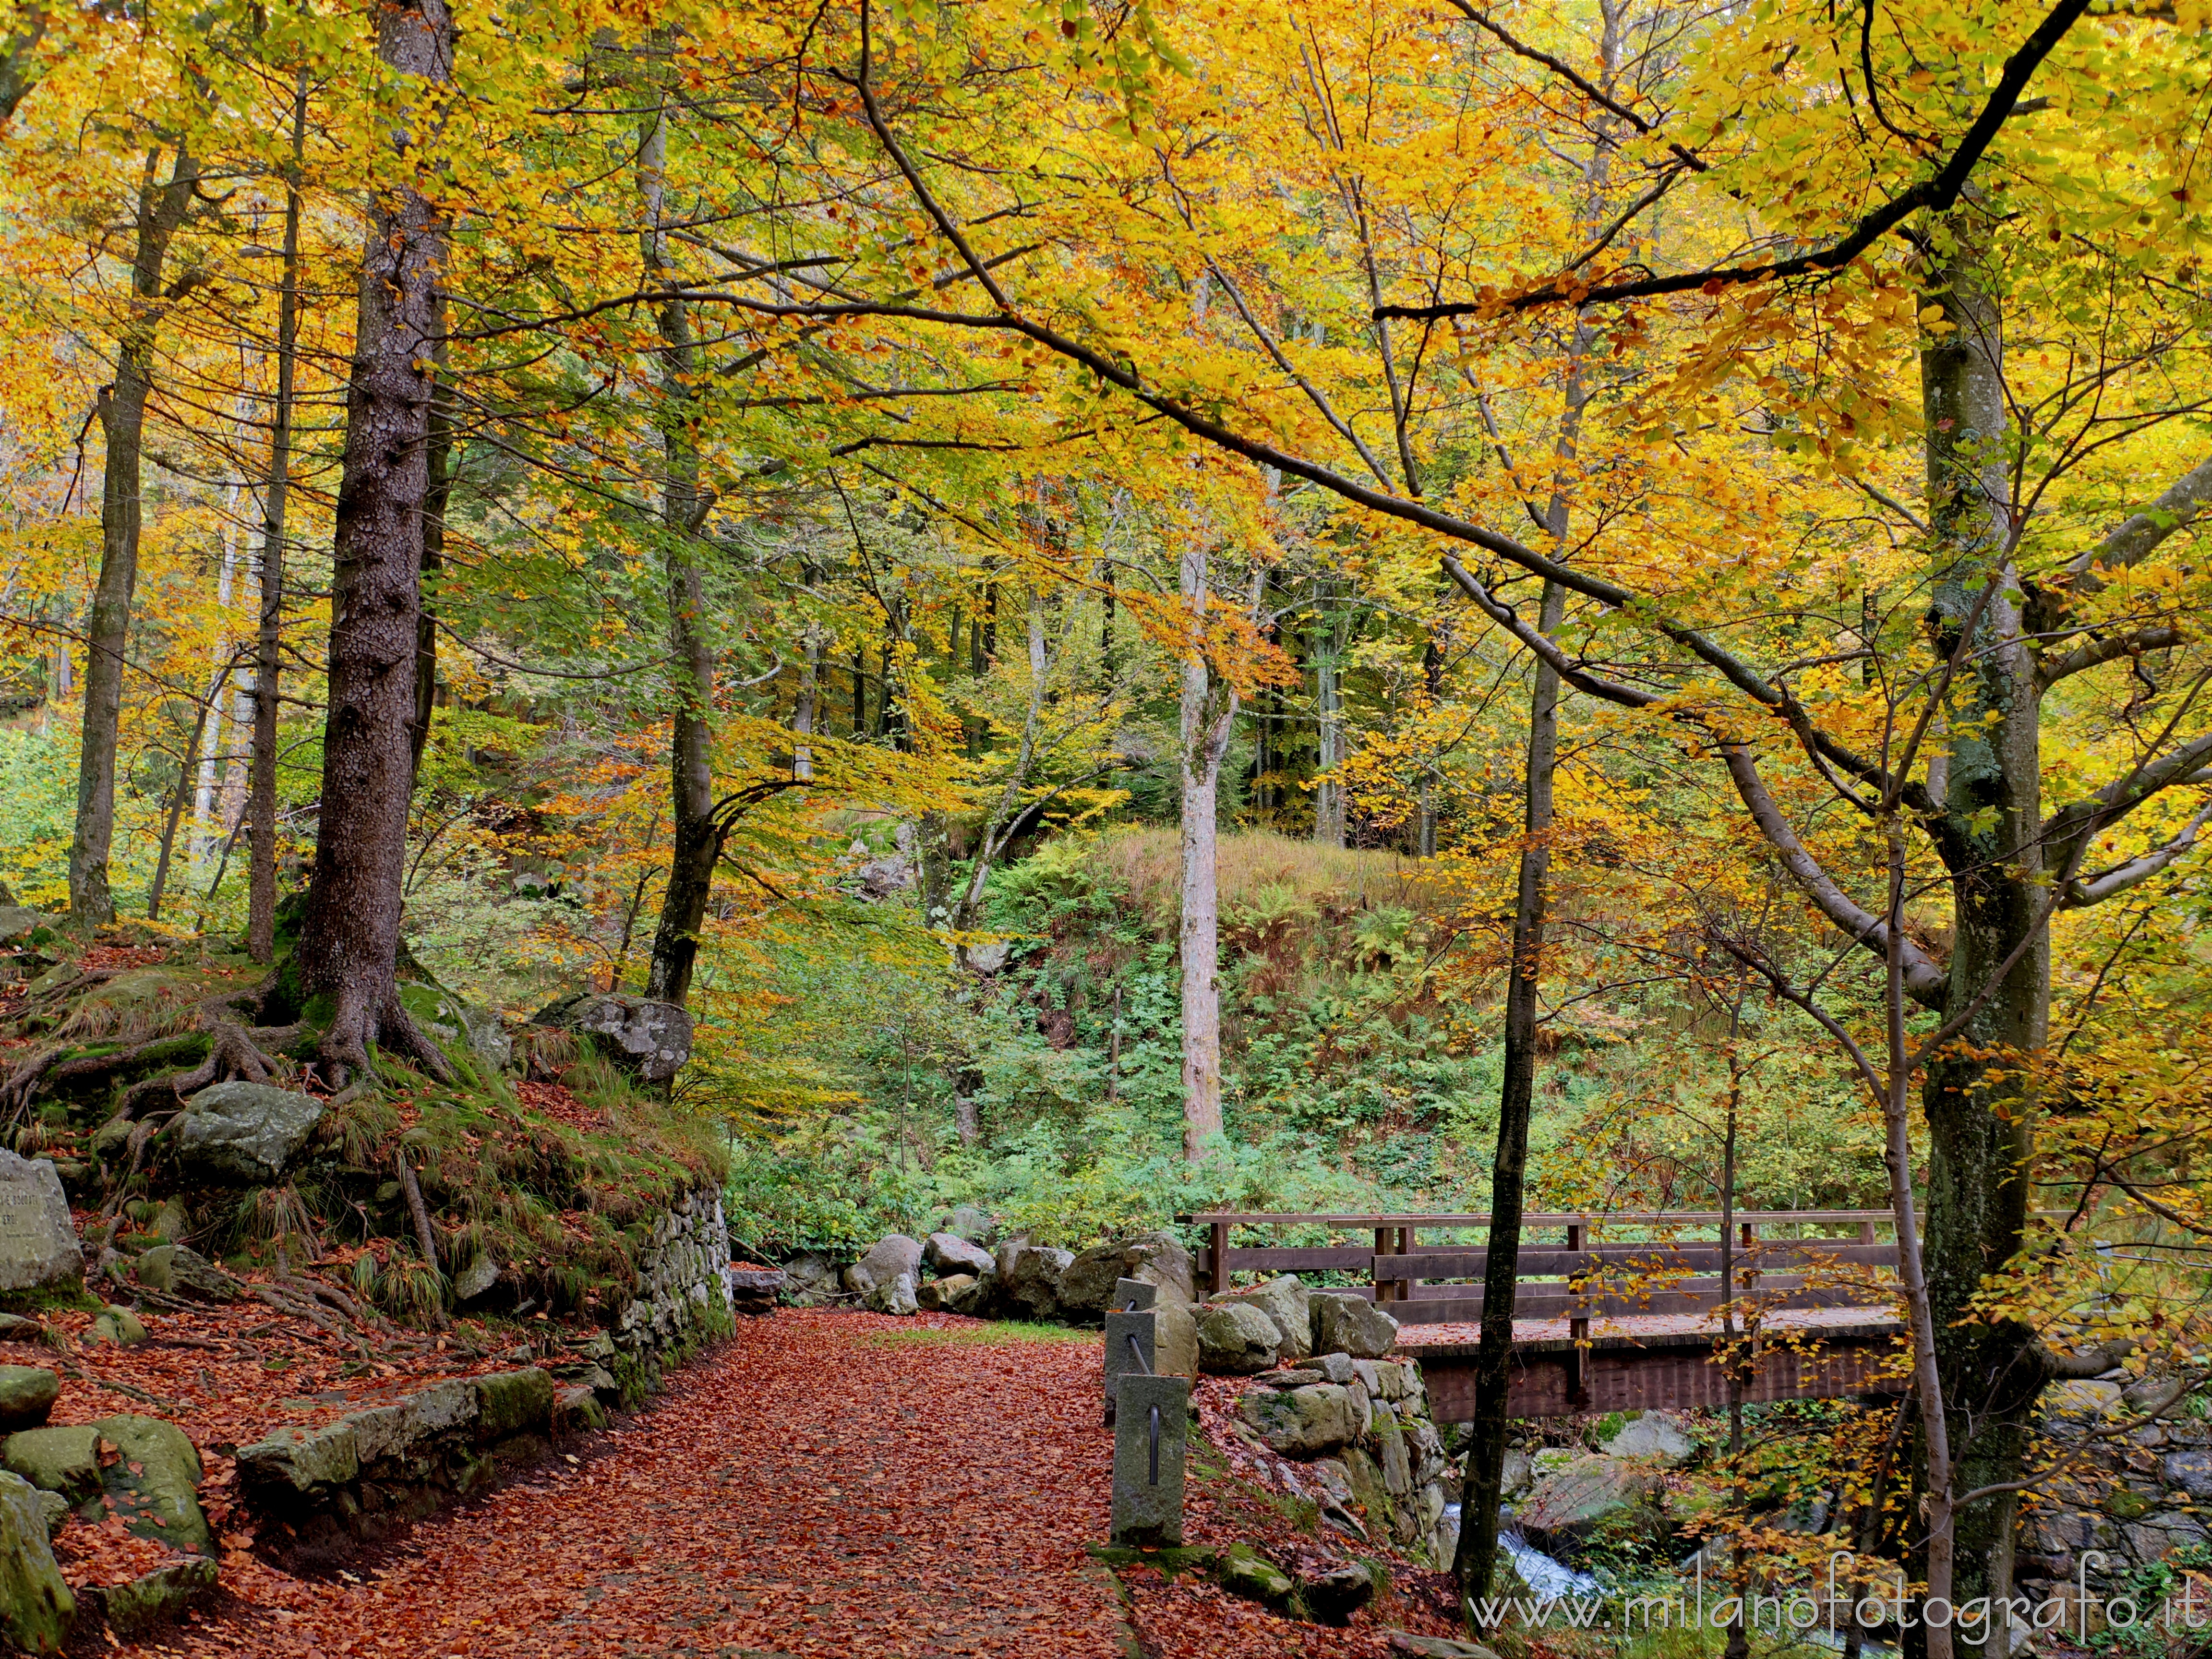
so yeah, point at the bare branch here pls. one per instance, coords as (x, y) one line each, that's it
(2156, 636)
(2093, 889)
(2134, 541)
(1924, 981)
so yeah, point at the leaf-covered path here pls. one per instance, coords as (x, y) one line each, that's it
(826, 1484)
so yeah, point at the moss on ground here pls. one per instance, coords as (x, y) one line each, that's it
(559, 1183)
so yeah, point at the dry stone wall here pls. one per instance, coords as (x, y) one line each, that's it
(2128, 1498)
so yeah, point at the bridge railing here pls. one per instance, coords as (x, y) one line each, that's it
(1587, 1266)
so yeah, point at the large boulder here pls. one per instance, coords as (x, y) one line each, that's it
(1343, 1323)
(1028, 1277)
(1586, 1496)
(178, 1270)
(651, 1039)
(811, 1279)
(58, 1460)
(886, 1259)
(1235, 1339)
(1304, 1422)
(948, 1254)
(1650, 1438)
(27, 1392)
(1288, 1305)
(895, 1295)
(1175, 1338)
(1155, 1258)
(39, 1245)
(248, 1133)
(977, 1298)
(37, 1611)
(938, 1295)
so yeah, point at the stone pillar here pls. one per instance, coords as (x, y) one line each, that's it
(1152, 1423)
(1123, 1328)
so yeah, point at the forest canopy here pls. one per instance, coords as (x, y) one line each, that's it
(1141, 606)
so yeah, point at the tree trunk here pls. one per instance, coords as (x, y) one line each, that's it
(1208, 715)
(211, 705)
(1328, 711)
(1976, 1193)
(268, 641)
(1485, 1458)
(434, 556)
(161, 211)
(207, 748)
(19, 61)
(350, 939)
(697, 846)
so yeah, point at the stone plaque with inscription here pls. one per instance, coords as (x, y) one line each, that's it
(38, 1241)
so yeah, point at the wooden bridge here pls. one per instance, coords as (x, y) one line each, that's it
(1616, 1312)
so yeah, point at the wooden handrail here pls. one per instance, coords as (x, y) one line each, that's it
(1548, 1218)
(1396, 1236)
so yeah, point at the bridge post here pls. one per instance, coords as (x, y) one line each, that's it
(1577, 1330)
(1386, 1243)
(1216, 1266)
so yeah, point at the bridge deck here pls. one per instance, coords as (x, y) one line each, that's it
(1617, 1312)
(1656, 1362)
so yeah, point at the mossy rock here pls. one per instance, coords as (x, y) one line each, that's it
(159, 1597)
(27, 1392)
(1170, 1563)
(154, 1483)
(61, 1460)
(37, 1611)
(1242, 1571)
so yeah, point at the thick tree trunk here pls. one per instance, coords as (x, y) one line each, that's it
(1976, 1193)
(1485, 1458)
(433, 558)
(349, 940)
(697, 846)
(161, 211)
(1208, 715)
(19, 57)
(269, 639)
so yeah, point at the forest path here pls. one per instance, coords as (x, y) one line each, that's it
(826, 1484)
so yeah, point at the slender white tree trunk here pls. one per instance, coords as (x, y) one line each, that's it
(1208, 715)
(216, 735)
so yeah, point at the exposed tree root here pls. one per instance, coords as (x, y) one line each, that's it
(234, 1053)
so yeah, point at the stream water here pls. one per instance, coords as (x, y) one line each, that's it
(1543, 1575)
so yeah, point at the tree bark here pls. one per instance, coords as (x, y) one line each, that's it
(1988, 837)
(350, 938)
(433, 558)
(19, 62)
(161, 210)
(1328, 711)
(1485, 1458)
(1208, 713)
(269, 639)
(697, 845)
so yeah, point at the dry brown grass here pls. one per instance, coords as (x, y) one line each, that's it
(1147, 863)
